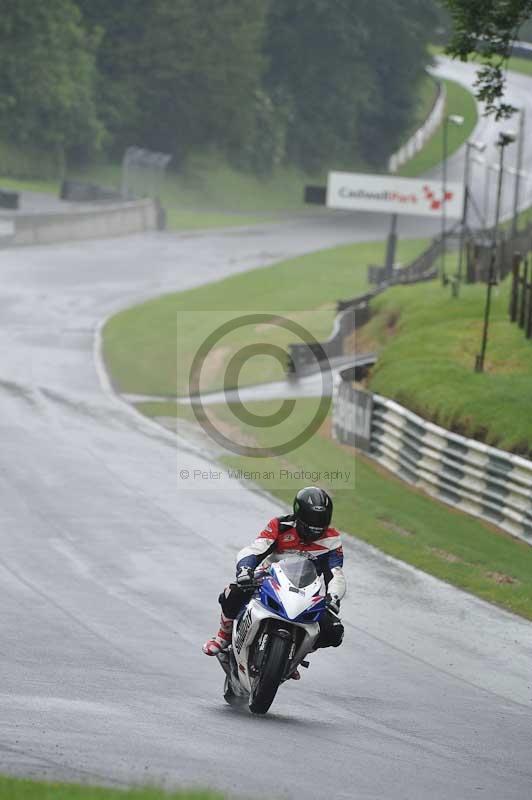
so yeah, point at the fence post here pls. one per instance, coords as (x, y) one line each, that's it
(522, 306)
(516, 263)
(529, 318)
(501, 261)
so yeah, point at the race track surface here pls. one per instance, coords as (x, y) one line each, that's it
(109, 576)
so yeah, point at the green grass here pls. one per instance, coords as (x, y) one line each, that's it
(17, 789)
(149, 348)
(381, 509)
(28, 163)
(428, 342)
(208, 186)
(48, 186)
(523, 65)
(210, 193)
(459, 101)
(207, 192)
(384, 511)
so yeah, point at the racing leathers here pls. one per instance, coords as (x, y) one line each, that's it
(277, 540)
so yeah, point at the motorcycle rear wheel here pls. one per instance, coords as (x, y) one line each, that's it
(272, 673)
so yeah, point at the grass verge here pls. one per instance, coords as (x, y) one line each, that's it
(17, 789)
(149, 348)
(459, 101)
(22, 185)
(210, 193)
(428, 342)
(381, 509)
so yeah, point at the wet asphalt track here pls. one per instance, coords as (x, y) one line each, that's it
(109, 577)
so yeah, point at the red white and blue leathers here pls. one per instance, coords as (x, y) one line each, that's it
(280, 538)
(277, 540)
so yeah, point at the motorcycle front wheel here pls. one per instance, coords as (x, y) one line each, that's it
(272, 673)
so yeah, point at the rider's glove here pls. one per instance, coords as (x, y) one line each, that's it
(244, 577)
(332, 601)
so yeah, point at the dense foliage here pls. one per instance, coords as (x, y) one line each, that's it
(488, 27)
(47, 78)
(306, 82)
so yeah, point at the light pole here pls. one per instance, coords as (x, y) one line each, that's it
(505, 138)
(479, 147)
(487, 193)
(481, 163)
(487, 181)
(456, 119)
(518, 169)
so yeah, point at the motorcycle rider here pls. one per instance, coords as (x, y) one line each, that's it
(306, 532)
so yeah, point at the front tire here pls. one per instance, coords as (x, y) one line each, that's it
(273, 671)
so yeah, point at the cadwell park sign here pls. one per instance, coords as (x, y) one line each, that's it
(391, 195)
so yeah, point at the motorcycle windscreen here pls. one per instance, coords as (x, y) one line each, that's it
(300, 572)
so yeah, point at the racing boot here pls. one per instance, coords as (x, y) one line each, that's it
(222, 640)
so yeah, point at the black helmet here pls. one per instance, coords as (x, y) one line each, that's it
(312, 512)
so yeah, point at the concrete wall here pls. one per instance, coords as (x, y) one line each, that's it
(98, 223)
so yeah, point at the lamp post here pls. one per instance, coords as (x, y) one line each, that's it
(518, 169)
(487, 181)
(505, 138)
(479, 147)
(455, 119)
(481, 163)
(495, 168)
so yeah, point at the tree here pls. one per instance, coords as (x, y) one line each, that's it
(488, 27)
(396, 53)
(47, 78)
(347, 72)
(179, 74)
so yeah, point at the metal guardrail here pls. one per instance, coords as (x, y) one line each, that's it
(480, 248)
(481, 480)
(521, 295)
(355, 312)
(522, 49)
(418, 140)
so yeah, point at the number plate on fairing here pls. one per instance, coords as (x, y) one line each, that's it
(243, 627)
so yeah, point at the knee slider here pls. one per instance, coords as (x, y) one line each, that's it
(337, 634)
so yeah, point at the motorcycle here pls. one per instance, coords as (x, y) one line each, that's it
(274, 632)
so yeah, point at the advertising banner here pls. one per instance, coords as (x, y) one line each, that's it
(391, 195)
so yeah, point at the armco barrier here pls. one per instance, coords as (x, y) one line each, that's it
(422, 135)
(109, 220)
(355, 312)
(522, 49)
(478, 479)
